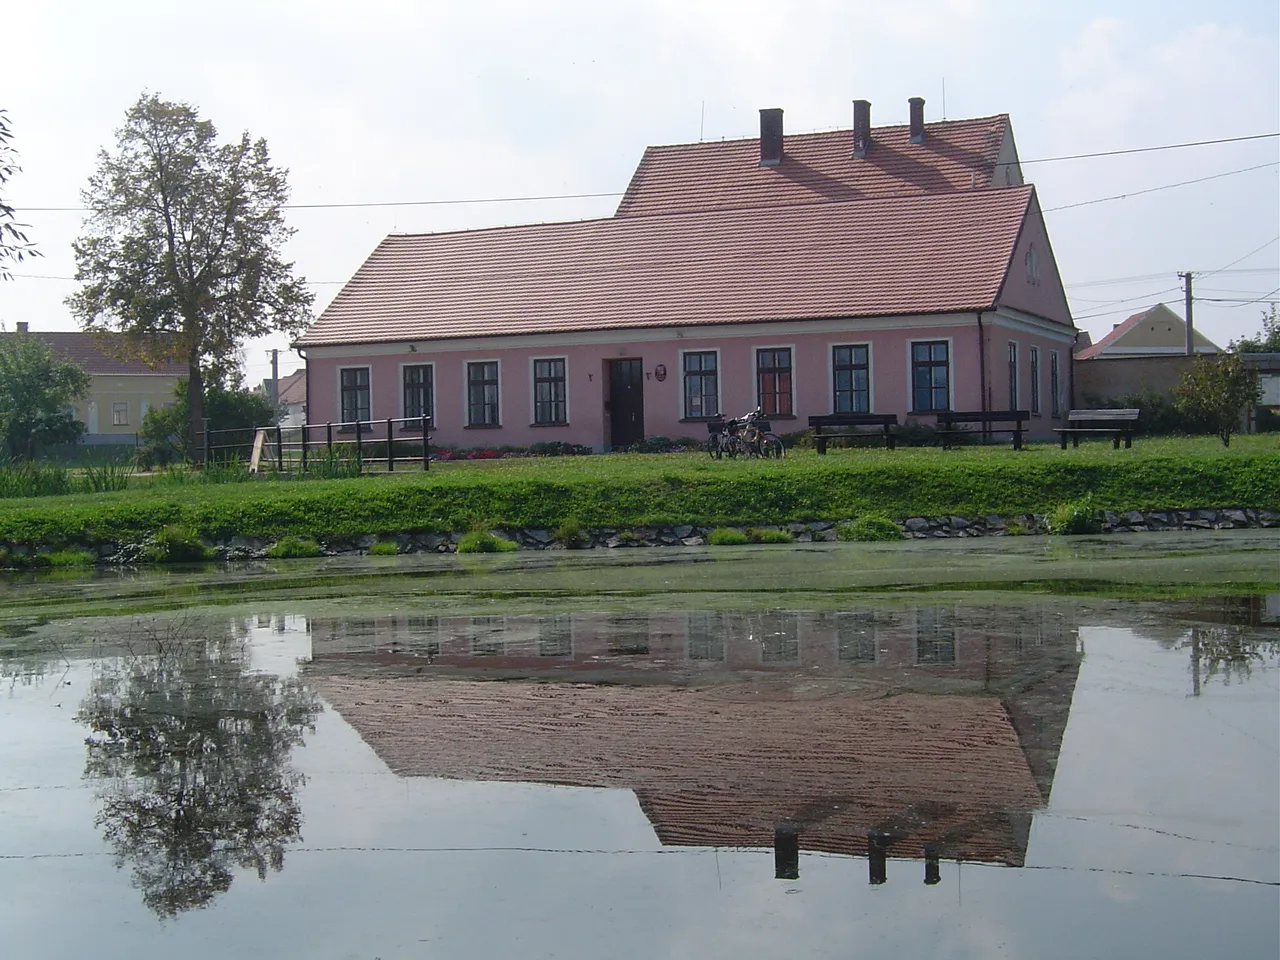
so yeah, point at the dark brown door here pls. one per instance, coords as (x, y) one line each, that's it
(626, 402)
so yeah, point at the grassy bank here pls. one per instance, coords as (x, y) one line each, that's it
(637, 490)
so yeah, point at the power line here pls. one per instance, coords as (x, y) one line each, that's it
(1167, 186)
(1167, 146)
(1238, 259)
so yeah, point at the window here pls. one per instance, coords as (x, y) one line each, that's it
(549, 404)
(1013, 375)
(120, 413)
(701, 385)
(354, 387)
(773, 381)
(482, 394)
(935, 636)
(1034, 368)
(851, 379)
(419, 392)
(1055, 385)
(555, 636)
(1032, 263)
(706, 636)
(930, 376)
(856, 637)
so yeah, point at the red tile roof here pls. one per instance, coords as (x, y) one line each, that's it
(816, 167)
(933, 253)
(93, 353)
(1094, 349)
(293, 387)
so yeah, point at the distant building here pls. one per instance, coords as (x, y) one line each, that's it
(1154, 332)
(291, 397)
(120, 391)
(902, 269)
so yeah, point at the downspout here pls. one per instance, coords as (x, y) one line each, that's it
(982, 362)
(306, 396)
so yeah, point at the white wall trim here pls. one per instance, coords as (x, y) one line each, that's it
(1016, 321)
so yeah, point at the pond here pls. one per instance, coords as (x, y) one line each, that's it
(993, 748)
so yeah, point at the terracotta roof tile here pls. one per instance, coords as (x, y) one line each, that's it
(816, 167)
(93, 353)
(931, 253)
(293, 387)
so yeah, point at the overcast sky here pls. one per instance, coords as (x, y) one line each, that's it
(394, 100)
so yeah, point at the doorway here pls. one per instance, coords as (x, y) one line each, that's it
(626, 402)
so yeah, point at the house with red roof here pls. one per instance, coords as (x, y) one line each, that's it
(121, 389)
(902, 269)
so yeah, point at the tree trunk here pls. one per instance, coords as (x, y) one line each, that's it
(195, 404)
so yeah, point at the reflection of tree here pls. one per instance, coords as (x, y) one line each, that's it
(1227, 652)
(193, 754)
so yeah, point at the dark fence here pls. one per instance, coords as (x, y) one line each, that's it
(370, 444)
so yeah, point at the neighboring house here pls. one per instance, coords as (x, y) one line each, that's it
(1147, 353)
(887, 270)
(291, 397)
(120, 391)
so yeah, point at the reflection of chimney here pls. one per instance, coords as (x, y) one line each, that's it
(786, 852)
(770, 137)
(861, 127)
(23, 327)
(917, 119)
(877, 855)
(932, 869)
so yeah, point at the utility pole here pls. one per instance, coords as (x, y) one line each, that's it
(275, 376)
(1188, 300)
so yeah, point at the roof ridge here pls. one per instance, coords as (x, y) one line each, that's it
(929, 124)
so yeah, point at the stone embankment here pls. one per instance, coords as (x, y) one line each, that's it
(917, 528)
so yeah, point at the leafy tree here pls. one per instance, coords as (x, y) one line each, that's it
(14, 246)
(166, 434)
(1219, 389)
(192, 752)
(182, 249)
(1268, 341)
(35, 392)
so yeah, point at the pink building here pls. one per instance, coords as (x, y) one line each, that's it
(887, 270)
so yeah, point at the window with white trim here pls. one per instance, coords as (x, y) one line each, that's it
(482, 394)
(773, 381)
(550, 403)
(353, 383)
(1055, 385)
(1033, 371)
(851, 378)
(930, 376)
(1013, 375)
(120, 413)
(418, 392)
(701, 384)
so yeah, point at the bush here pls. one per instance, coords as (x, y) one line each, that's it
(913, 433)
(165, 436)
(727, 537)
(176, 543)
(571, 534)
(384, 548)
(769, 535)
(1075, 517)
(106, 477)
(294, 547)
(482, 541)
(1157, 415)
(30, 479)
(72, 557)
(871, 528)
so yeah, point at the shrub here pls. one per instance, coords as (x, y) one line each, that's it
(293, 547)
(30, 479)
(727, 537)
(870, 528)
(916, 434)
(482, 541)
(1220, 389)
(769, 535)
(384, 548)
(72, 557)
(176, 543)
(652, 445)
(1074, 517)
(106, 477)
(571, 534)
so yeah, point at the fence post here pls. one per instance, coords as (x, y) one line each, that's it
(391, 460)
(279, 449)
(328, 434)
(303, 428)
(359, 448)
(426, 458)
(205, 424)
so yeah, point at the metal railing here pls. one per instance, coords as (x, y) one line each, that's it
(367, 443)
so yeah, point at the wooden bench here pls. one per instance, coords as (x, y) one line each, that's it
(1116, 424)
(843, 425)
(949, 424)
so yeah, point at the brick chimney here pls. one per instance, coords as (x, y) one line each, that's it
(770, 136)
(916, 128)
(24, 327)
(861, 127)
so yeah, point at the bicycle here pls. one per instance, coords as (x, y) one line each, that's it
(750, 435)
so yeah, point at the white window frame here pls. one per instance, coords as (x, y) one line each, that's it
(1033, 377)
(755, 375)
(338, 377)
(120, 413)
(1012, 367)
(404, 414)
(466, 394)
(871, 366)
(533, 391)
(684, 412)
(951, 372)
(1055, 385)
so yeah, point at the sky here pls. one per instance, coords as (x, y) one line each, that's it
(393, 101)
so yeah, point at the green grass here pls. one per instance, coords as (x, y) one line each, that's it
(727, 537)
(871, 528)
(384, 548)
(482, 541)
(769, 535)
(290, 547)
(647, 490)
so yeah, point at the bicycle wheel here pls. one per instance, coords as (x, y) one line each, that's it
(713, 445)
(771, 447)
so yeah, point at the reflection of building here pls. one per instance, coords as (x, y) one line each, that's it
(716, 754)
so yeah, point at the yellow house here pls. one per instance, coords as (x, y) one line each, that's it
(120, 391)
(1155, 332)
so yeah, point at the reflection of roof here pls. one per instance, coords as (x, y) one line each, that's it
(93, 353)
(815, 167)
(934, 253)
(723, 765)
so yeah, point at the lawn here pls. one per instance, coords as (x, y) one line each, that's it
(626, 490)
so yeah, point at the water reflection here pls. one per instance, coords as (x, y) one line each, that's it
(191, 753)
(924, 731)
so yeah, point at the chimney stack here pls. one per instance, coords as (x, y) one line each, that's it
(861, 128)
(23, 326)
(770, 137)
(917, 119)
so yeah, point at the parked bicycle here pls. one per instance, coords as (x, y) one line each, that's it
(751, 435)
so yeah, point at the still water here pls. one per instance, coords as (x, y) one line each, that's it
(807, 770)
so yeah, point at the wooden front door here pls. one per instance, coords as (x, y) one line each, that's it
(626, 402)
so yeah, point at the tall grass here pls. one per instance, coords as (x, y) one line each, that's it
(35, 480)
